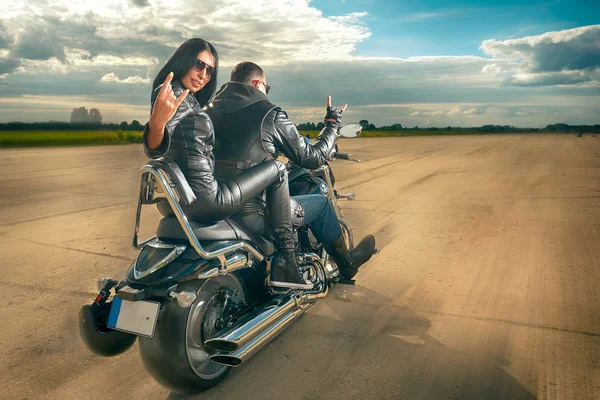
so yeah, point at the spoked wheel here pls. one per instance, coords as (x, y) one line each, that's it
(176, 356)
(218, 299)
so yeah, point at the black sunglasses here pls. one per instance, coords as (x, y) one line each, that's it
(201, 65)
(267, 87)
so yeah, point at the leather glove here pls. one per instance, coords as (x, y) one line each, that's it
(333, 117)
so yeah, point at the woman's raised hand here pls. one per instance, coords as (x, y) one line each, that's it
(166, 104)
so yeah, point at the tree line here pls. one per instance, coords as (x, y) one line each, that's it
(81, 119)
(84, 119)
(311, 126)
(134, 125)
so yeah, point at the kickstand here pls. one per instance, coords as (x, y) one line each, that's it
(345, 281)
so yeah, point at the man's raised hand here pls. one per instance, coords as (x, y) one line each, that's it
(333, 117)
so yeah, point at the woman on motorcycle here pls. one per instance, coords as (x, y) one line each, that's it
(180, 130)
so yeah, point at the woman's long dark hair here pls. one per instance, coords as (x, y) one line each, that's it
(180, 63)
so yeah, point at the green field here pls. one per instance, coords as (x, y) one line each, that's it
(99, 137)
(88, 138)
(69, 138)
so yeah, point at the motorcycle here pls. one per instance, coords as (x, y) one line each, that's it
(197, 295)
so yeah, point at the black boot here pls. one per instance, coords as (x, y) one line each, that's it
(348, 261)
(285, 274)
(284, 271)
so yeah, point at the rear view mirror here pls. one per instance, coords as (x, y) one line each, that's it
(350, 130)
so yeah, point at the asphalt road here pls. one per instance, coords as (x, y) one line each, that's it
(486, 287)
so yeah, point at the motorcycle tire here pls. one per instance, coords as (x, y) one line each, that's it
(175, 356)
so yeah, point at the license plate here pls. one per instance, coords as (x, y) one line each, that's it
(137, 317)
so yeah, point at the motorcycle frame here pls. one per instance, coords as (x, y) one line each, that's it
(149, 179)
(323, 173)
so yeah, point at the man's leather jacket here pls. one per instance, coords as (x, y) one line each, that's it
(242, 115)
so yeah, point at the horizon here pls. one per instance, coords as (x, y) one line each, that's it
(298, 124)
(461, 64)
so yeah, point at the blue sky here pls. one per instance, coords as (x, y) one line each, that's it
(435, 28)
(418, 63)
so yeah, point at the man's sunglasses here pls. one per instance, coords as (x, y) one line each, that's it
(201, 65)
(267, 87)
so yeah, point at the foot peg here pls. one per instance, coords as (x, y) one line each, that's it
(276, 291)
(349, 196)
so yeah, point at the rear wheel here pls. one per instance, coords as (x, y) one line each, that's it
(176, 356)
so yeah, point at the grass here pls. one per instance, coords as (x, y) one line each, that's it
(68, 138)
(98, 137)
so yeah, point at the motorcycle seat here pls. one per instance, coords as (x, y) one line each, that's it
(169, 228)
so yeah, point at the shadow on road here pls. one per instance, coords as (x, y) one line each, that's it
(358, 345)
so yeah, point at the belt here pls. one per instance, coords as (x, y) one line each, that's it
(240, 165)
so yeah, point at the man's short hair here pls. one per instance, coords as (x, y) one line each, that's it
(246, 72)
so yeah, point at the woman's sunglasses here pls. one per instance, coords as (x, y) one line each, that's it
(201, 65)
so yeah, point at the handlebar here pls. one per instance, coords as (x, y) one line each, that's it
(343, 156)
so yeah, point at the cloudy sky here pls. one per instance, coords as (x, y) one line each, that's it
(418, 63)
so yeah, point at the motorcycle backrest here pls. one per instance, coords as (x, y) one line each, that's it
(180, 185)
(165, 177)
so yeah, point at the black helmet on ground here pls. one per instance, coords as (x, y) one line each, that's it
(100, 339)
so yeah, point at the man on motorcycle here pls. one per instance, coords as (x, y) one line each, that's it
(249, 129)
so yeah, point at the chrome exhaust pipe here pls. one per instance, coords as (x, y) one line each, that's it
(249, 327)
(235, 358)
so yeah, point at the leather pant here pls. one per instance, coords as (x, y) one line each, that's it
(233, 194)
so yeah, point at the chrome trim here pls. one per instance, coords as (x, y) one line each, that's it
(148, 173)
(347, 196)
(252, 325)
(302, 301)
(268, 316)
(211, 273)
(233, 263)
(236, 358)
(323, 173)
(348, 230)
(177, 250)
(184, 299)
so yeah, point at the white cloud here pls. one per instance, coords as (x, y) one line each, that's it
(111, 50)
(468, 110)
(550, 78)
(426, 113)
(565, 57)
(492, 69)
(422, 16)
(112, 78)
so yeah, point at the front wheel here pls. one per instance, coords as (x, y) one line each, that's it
(176, 356)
